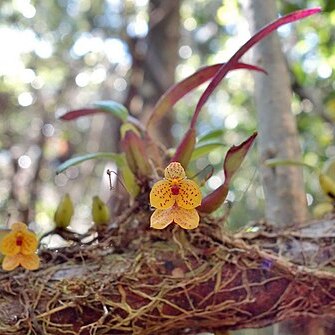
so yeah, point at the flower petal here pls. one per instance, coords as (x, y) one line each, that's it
(161, 196)
(18, 226)
(189, 194)
(8, 245)
(161, 218)
(174, 171)
(30, 262)
(186, 218)
(9, 263)
(29, 242)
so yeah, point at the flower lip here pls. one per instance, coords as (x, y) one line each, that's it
(19, 240)
(174, 189)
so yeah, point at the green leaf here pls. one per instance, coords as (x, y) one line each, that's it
(211, 135)
(117, 158)
(130, 182)
(205, 149)
(274, 162)
(135, 152)
(114, 108)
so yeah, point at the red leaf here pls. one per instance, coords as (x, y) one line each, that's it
(177, 91)
(231, 64)
(232, 162)
(74, 114)
(185, 149)
(214, 200)
(106, 106)
(235, 157)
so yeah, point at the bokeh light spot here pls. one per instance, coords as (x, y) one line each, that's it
(190, 24)
(185, 52)
(25, 99)
(24, 162)
(82, 79)
(48, 130)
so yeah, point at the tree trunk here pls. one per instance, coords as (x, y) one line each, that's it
(162, 59)
(278, 139)
(283, 185)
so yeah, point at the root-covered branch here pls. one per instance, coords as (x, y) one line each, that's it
(174, 282)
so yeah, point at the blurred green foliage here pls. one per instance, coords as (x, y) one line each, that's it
(62, 55)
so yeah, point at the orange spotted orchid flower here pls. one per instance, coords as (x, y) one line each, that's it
(175, 199)
(19, 247)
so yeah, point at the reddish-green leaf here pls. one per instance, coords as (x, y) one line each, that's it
(214, 200)
(109, 106)
(231, 64)
(232, 162)
(177, 91)
(185, 149)
(113, 108)
(75, 114)
(235, 157)
(134, 148)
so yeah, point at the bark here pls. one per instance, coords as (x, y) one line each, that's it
(278, 138)
(145, 282)
(162, 59)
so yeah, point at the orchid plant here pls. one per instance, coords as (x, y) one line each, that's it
(176, 198)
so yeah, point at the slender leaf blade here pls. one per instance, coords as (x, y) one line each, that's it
(233, 61)
(76, 113)
(111, 107)
(212, 135)
(205, 149)
(185, 149)
(116, 157)
(114, 108)
(179, 90)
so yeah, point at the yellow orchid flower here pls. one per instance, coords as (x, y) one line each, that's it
(19, 247)
(29, 262)
(185, 218)
(175, 188)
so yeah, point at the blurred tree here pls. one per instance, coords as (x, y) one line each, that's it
(278, 137)
(162, 59)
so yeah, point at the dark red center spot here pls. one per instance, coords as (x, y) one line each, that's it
(175, 189)
(19, 241)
